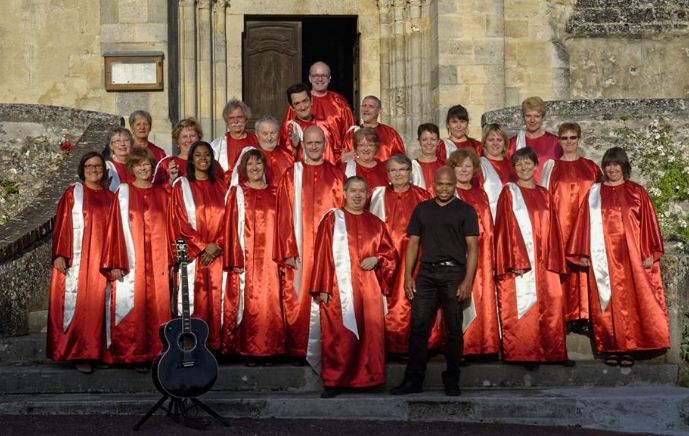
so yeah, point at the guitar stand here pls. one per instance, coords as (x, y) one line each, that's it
(177, 408)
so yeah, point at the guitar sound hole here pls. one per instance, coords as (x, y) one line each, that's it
(186, 341)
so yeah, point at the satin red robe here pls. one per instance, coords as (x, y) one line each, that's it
(322, 190)
(441, 152)
(636, 317)
(84, 337)
(332, 150)
(546, 146)
(568, 184)
(278, 161)
(539, 336)
(398, 209)
(135, 339)
(483, 334)
(504, 170)
(428, 169)
(161, 176)
(261, 331)
(376, 176)
(209, 199)
(122, 173)
(158, 153)
(234, 148)
(334, 110)
(390, 142)
(346, 360)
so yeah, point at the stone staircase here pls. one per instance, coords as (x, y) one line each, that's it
(642, 398)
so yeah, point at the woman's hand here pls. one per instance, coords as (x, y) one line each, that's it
(172, 171)
(117, 274)
(369, 263)
(210, 253)
(324, 297)
(648, 262)
(60, 264)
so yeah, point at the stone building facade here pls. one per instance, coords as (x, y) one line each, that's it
(419, 56)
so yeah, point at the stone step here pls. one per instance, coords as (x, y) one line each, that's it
(62, 378)
(657, 410)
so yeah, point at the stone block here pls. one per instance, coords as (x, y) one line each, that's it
(489, 51)
(460, 49)
(472, 74)
(116, 33)
(150, 33)
(132, 11)
(157, 10)
(109, 12)
(447, 74)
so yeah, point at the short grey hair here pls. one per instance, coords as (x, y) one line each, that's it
(266, 119)
(353, 179)
(234, 104)
(140, 114)
(400, 159)
(117, 131)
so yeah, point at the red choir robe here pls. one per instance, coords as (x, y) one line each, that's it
(227, 150)
(158, 153)
(532, 311)
(278, 161)
(493, 176)
(196, 214)
(322, 190)
(117, 173)
(375, 176)
(447, 146)
(482, 336)
(395, 209)
(332, 150)
(390, 141)
(254, 324)
(546, 146)
(632, 315)
(349, 359)
(140, 303)
(76, 305)
(568, 183)
(334, 110)
(423, 173)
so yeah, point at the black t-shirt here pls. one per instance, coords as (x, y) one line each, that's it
(442, 229)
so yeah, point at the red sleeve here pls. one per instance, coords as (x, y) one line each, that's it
(114, 248)
(510, 250)
(397, 145)
(650, 237)
(180, 226)
(323, 273)
(285, 239)
(233, 257)
(579, 244)
(62, 229)
(285, 141)
(387, 260)
(556, 249)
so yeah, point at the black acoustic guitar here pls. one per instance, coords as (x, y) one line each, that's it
(185, 368)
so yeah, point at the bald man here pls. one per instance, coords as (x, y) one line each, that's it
(446, 229)
(306, 192)
(327, 105)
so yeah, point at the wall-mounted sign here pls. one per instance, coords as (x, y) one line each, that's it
(134, 71)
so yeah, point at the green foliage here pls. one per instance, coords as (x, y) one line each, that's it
(9, 187)
(664, 168)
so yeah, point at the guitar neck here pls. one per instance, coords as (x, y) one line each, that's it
(186, 316)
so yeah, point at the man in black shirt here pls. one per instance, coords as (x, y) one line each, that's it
(447, 230)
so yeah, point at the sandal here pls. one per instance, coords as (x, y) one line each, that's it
(612, 360)
(626, 361)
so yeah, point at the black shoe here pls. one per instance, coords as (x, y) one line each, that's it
(452, 391)
(451, 382)
(330, 392)
(407, 387)
(569, 363)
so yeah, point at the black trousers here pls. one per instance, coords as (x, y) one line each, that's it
(435, 285)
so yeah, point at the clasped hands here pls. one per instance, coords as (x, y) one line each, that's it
(367, 265)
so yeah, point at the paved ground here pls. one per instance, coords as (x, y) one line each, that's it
(157, 425)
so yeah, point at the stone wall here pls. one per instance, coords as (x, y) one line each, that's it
(25, 241)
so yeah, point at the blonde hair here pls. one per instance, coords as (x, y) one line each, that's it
(533, 104)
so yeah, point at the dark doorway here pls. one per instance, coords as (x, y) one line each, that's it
(279, 50)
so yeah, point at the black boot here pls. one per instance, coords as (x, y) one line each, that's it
(407, 387)
(451, 382)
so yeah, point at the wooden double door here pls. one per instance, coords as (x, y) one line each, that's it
(278, 51)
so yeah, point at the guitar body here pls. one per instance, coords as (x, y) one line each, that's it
(186, 368)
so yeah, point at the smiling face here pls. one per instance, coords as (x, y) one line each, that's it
(94, 169)
(365, 149)
(143, 170)
(525, 169)
(464, 171)
(457, 128)
(267, 134)
(301, 104)
(202, 159)
(495, 146)
(314, 144)
(319, 76)
(120, 146)
(369, 111)
(569, 141)
(614, 173)
(428, 142)
(444, 186)
(141, 128)
(533, 120)
(255, 169)
(236, 121)
(399, 174)
(355, 196)
(186, 138)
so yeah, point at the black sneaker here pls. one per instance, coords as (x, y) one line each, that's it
(407, 387)
(330, 392)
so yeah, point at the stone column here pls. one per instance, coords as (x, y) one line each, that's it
(204, 60)
(219, 66)
(187, 57)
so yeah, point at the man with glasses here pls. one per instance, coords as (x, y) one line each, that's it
(228, 147)
(327, 105)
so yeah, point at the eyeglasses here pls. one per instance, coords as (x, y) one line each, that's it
(93, 167)
(571, 138)
(320, 76)
(399, 170)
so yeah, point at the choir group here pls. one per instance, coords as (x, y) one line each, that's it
(297, 235)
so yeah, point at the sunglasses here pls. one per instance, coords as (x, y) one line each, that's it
(571, 138)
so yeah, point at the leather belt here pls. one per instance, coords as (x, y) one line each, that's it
(445, 263)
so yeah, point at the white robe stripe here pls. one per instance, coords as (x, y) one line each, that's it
(526, 283)
(72, 273)
(599, 254)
